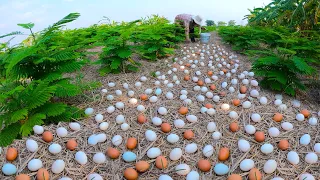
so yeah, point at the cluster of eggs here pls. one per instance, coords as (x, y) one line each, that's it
(221, 73)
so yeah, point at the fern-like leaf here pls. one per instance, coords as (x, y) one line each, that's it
(36, 119)
(40, 95)
(8, 134)
(19, 115)
(66, 89)
(52, 109)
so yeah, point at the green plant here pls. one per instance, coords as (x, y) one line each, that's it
(232, 23)
(210, 23)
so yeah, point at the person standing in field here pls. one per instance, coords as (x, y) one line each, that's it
(189, 22)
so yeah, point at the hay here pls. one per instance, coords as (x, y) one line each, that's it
(113, 169)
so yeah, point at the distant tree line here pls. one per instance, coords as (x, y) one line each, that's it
(220, 23)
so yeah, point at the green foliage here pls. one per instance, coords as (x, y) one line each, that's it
(232, 23)
(210, 23)
(221, 23)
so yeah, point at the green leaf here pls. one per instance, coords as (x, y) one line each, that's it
(36, 119)
(52, 109)
(65, 89)
(302, 65)
(19, 115)
(115, 63)
(27, 26)
(8, 134)
(40, 95)
(124, 53)
(278, 76)
(11, 34)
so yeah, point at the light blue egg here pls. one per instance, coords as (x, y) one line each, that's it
(129, 156)
(9, 169)
(221, 169)
(158, 91)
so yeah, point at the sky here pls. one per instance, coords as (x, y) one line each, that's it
(45, 12)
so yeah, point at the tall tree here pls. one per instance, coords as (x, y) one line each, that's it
(210, 23)
(221, 23)
(232, 23)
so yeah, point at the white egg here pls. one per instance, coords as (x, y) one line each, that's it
(169, 95)
(175, 154)
(179, 123)
(156, 121)
(157, 83)
(263, 100)
(251, 74)
(141, 108)
(133, 101)
(99, 118)
(293, 157)
(116, 140)
(89, 111)
(193, 175)
(102, 137)
(245, 81)
(55, 148)
(233, 71)
(192, 118)
(9, 169)
(250, 129)
(209, 95)
(157, 73)
(195, 79)
(207, 80)
(94, 176)
(164, 177)
(313, 121)
(34, 164)
(266, 148)
(32, 145)
(316, 147)
(153, 152)
(296, 103)
(120, 105)
(158, 91)
(214, 77)
(183, 97)
(273, 132)
(277, 178)
(254, 93)
(278, 96)
(224, 84)
(125, 127)
(170, 85)
(58, 166)
(311, 158)
(200, 98)
(111, 84)
(246, 164)
(38, 129)
(111, 109)
(278, 102)
(300, 117)
(306, 176)
(125, 85)
(187, 101)
(282, 107)
(130, 93)
(216, 135)
(246, 104)
(93, 140)
(151, 135)
(255, 117)
(211, 126)
(233, 115)
(137, 84)
(203, 110)
(143, 78)
(104, 126)
(204, 89)
(191, 148)
(231, 89)
(305, 139)
(120, 119)
(110, 97)
(225, 107)
(287, 126)
(118, 92)
(99, 158)
(243, 145)
(216, 98)
(207, 151)
(270, 166)
(172, 138)
(254, 83)
(182, 169)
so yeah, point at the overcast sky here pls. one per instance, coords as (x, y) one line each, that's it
(45, 12)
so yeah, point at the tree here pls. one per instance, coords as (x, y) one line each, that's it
(232, 23)
(221, 23)
(210, 23)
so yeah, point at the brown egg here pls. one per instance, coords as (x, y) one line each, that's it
(259, 136)
(305, 112)
(188, 65)
(143, 97)
(255, 174)
(200, 83)
(224, 154)
(186, 78)
(198, 53)
(188, 134)
(22, 177)
(243, 89)
(236, 102)
(72, 144)
(12, 154)
(222, 93)
(132, 143)
(43, 174)
(283, 144)
(142, 166)
(209, 106)
(183, 110)
(213, 87)
(278, 117)
(234, 127)
(231, 62)
(165, 127)
(113, 153)
(210, 73)
(130, 174)
(141, 118)
(204, 165)
(225, 70)
(234, 177)
(161, 162)
(47, 136)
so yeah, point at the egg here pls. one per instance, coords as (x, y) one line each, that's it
(311, 158)
(178, 123)
(110, 97)
(250, 129)
(243, 89)
(165, 177)
(305, 112)
(255, 174)
(306, 176)
(225, 107)
(270, 166)
(141, 108)
(125, 126)
(47, 136)
(246, 104)
(305, 139)
(89, 111)
(211, 126)
(58, 166)
(182, 169)
(273, 132)
(254, 83)
(216, 98)
(233, 115)
(22, 177)
(38, 129)
(43, 174)
(266, 148)
(246, 164)
(130, 174)
(204, 165)
(99, 118)
(188, 134)
(129, 156)
(175, 154)
(34, 164)
(293, 157)
(255, 117)
(113, 153)
(161, 162)
(300, 117)
(207, 150)
(75, 126)
(191, 148)
(111, 109)
(277, 102)
(216, 135)
(223, 154)
(283, 144)
(234, 127)
(11, 154)
(104, 126)
(158, 91)
(263, 100)
(142, 166)
(234, 177)
(243, 145)
(153, 152)
(153, 99)
(165, 127)
(259, 136)
(94, 176)
(254, 93)
(172, 138)
(193, 175)
(221, 169)
(192, 118)
(211, 111)
(316, 147)
(9, 169)
(236, 102)
(137, 84)
(71, 144)
(81, 157)
(93, 140)
(313, 121)
(55, 148)
(287, 126)
(150, 135)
